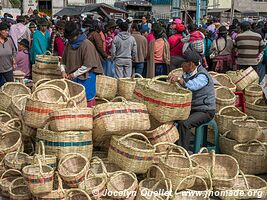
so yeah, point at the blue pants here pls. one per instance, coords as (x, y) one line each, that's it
(6, 77)
(89, 84)
(261, 68)
(138, 68)
(109, 67)
(160, 69)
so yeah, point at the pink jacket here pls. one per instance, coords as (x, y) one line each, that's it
(150, 37)
(196, 35)
(176, 46)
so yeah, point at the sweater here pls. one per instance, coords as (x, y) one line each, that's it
(142, 47)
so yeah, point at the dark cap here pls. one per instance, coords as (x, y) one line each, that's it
(61, 24)
(42, 22)
(25, 43)
(3, 26)
(21, 19)
(223, 30)
(124, 26)
(32, 25)
(72, 29)
(111, 24)
(191, 55)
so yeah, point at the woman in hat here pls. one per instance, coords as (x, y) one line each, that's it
(23, 58)
(7, 55)
(41, 40)
(222, 49)
(57, 39)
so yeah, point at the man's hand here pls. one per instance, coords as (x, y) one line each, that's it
(173, 78)
(181, 82)
(71, 76)
(65, 75)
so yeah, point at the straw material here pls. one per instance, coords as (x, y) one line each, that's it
(223, 168)
(103, 167)
(61, 143)
(60, 83)
(164, 133)
(39, 178)
(165, 101)
(18, 105)
(245, 130)
(47, 61)
(39, 83)
(258, 109)
(41, 103)
(10, 89)
(9, 142)
(227, 144)
(177, 167)
(224, 97)
(71, 118)
(4, 116)
(39, 74)
(73, 168)
(119, 118)
(18, 190)
(253, 92)
(106, 87)
(251, 157)
(2, 168)
(250, 186)
(177, 72)
(28, 131)
(125, 183)
(131, 154)
(76, 194)
(13, 124)
(126, 86)
(263, 127)
(224, 80)
(226, 116)
(245, 78)
(212, 73)
(77, 93)
(6, 179)
(16, 160)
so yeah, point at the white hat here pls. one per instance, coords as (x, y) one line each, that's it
(130, 19)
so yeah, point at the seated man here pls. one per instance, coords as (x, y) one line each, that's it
(196, 79)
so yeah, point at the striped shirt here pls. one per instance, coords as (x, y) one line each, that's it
(249, 45)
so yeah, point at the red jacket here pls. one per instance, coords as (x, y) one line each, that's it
(196, 35)
(176, 46)
(59, 46)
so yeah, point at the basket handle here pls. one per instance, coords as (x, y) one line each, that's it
(41, 167)
(11, 186)
(258, 142)
(40, 82)
(97, 159)
(182, 149)
(16, 155)
(209, 176)
(119, 98)
(8, 171)
(138, 75)
(226, 133)
(41, 149)
(150, 82)
(119, 173)
(12, 131)
(103, 99)
(213, 159)
(16, 120)
(69, 194)
(2, 113)
(72, 155)
(60, 185)
(226, 107)
(134, 134)
(157, 168)
(47, 53)
(189, 177)
(167, 182)
(50, 87)
(245, 179)
(203, 149)
(253, 118)
(256, 100)
(71, 101)
(169, 144)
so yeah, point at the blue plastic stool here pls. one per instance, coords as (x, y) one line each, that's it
(201, 134)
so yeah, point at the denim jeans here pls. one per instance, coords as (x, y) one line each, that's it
(261, 69)
(138, 68)
(109, 68)
(160, 69)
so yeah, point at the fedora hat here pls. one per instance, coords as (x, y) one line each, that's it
(42, 22)
(111, 24)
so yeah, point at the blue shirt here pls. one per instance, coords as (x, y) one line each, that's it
(197, 83)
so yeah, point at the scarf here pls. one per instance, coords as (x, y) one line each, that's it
(76, 44)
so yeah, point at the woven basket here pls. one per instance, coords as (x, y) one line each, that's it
(58, 191)
(4, 116)
(106, 87)
(253, 92)
(73, 168)
(9, 142)
(2, 168)
(177, 72)
(165, 101)
(13, 124)
(245, 130)
(177, 167)
(263, 127)
(227, 144)
(18, 190)
(123, 183)
(212, 73)
(71, 118)
(119, 118)
(27, 131)
(258, 109)
(6, 179)
(224, 97)
(226, 116)
(49, 160)
(16, 160)
(77, 93)
(225, 81)
(9, 90)
(103, 167)
(18, 105)
(60, 83)
(39, 83)
(131, 154)
(94, 185)
(39, 74)
(61, 143)
(251, 157)
(164, 133)
(245, 78)
(37, 110)
(250, 186)
(47, 61)
(224, 169)
(76, 194)
(126, 86)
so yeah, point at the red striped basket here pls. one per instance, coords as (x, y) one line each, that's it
(245, 78)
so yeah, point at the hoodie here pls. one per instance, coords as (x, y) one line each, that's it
(123, 49)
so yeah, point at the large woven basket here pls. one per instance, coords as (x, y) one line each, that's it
(76, 194)
(249, 187)
(28, 131)
(60, 83)
(164, 133)
(61, 143)
(119, 118)
(103, 167)
(77, 93)
(73, 168)
(227, 144)
(253, 92)
(37, 109)
(18, 105)
(9, 142)
(257, 109)
(226, 116)
(263, 127)
(124, 184)
(16, 160)
(9, 90)
(47, 61)
(39, 74)
(223, 168)
(18, 190)
(177, 167)
(131, 154)
(176, 72)
(224, 80)
(6, 179)
(165, 101)
(224, 97)
(71, 118)
(251, 157)
(126, 86)
(106, 87)
(245, 130)
(245, 78)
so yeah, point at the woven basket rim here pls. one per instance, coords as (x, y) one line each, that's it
(107, 77)
(168, 124)
(180, 168)
(50, 173)
(236, 148)
(16, 84)
(15, 144)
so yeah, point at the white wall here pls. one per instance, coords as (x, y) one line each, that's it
(223, 3)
